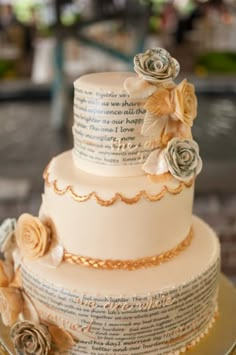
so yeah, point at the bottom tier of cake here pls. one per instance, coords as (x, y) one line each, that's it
(160, 310)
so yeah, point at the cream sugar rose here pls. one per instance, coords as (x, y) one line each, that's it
(115, 263)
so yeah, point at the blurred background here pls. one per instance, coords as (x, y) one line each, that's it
(46, 45)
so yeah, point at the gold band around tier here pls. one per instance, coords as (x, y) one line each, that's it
(117, 196)
(107, 264)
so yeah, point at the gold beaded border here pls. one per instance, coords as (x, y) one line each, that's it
(204, 333)
(118, 196)
(107, 264)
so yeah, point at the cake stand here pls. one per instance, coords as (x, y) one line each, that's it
(221, 339)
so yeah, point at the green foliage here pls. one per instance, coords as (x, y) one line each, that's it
(218, 62)
(7, 69)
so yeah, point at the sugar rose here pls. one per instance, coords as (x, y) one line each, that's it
(33, 237)
(61, 339)
(182, 158)
(185, 103)
(11, 304)
(156, 66)
(30, 338)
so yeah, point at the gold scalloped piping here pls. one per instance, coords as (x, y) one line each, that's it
(159, 178)
(107, 264)
(118, 196)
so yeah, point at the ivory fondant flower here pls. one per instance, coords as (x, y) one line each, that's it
(11, 304)
(168, 107)
(29, 311)
(6, 273)
(33, 237)
(17, 280)
(156, 66)
(156, 163)
(7, 229)
(61, 338)
(57, 253)
(30, 338)
(182, 157)
(7, 240)
(138, 88)
(185, 103)
(4, 281)
(174, 129)
(159, 103)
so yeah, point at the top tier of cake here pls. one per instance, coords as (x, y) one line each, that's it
(107, 126)
(130, 124)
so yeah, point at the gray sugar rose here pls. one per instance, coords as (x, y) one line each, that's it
(156, 66)
(183, 160)
(29, 338)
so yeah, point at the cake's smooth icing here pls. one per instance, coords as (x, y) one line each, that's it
(120, 231)
(107, 126)
(150, 311)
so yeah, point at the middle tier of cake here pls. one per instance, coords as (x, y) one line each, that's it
(115, 218)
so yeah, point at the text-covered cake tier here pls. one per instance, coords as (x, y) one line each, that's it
(115, 218)
(107, 126)
(152, 311)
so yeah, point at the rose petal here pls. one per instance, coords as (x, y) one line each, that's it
(61, 338)
(175, 129)
(57, 253)
(156, 163)
(6, 271)
(159, 103)
(11, 304)
(4, 280)
(199, 167)
(17, 280)
(176, 66)
(138, 88)
(7, 240)
(29, 311)
(153, 125)
(17, 259)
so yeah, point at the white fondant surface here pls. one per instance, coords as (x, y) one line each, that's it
(119, 231)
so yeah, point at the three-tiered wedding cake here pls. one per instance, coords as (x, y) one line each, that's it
(116, 263)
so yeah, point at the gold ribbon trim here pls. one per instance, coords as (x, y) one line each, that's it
(107, 264)
(117, 196)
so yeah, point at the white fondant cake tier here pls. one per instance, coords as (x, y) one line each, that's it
(140, 218)
(107, 126)
(149, 311)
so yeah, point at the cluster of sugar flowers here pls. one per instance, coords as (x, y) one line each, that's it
(29, 334)
(170, 112)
